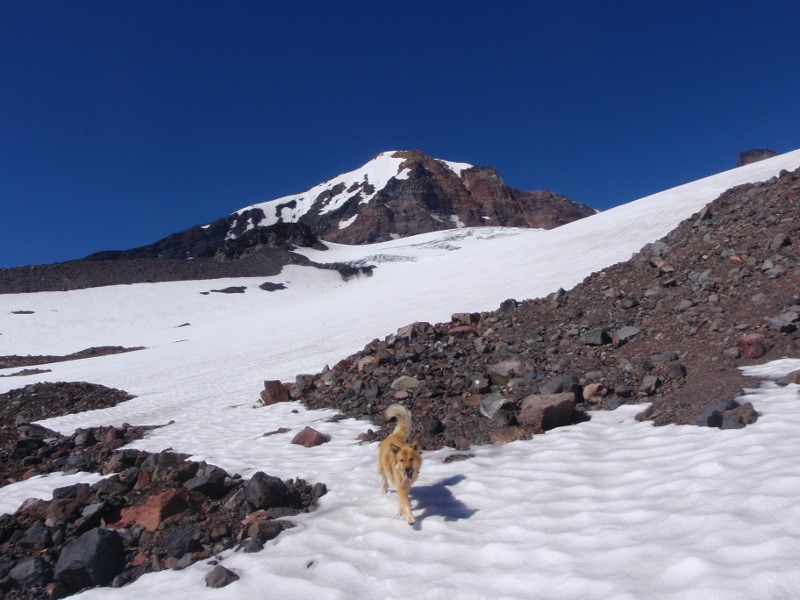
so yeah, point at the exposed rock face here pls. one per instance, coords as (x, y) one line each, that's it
(433, 197)
(751, 156)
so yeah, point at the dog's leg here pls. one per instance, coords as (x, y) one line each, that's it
(405, 505)
(384, 484)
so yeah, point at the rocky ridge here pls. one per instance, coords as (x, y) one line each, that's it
(669, 327)
(150, 512)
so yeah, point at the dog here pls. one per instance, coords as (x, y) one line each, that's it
(399, 461)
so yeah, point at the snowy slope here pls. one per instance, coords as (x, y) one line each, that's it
(610, 508)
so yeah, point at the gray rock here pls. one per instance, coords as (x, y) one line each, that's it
(265, 491)
(220, 577)
(95, 558)
(562, 383)
(625, 333)
(31, 571)
(209, 481)
(711, 416)
(596, 337)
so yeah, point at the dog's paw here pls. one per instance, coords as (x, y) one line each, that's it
(411, 520)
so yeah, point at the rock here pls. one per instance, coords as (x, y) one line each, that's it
(780, 324)
(753, 345)
(594, 390)
(310, 437)
(265, 491)
(507, 435)
(274, 391)
(463, 318)
(31, 571)
(265, 530)
(779, 241)
(209, 481)
(405, 383)
(793, 377)
(182, 540)
(542, 412)
(497, 408)
(95, 558)
(501, 373)
(560, 384)
(712, 414)
(37, 537)
(155, 509)
(739, 417)
(650, 384)
(750, 156)
(596, 337)
(219, 577)
(626, 333)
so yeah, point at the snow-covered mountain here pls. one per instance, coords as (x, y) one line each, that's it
(607, 509)
(396, 194)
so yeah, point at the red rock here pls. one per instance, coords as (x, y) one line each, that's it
(154, 510)
(310, 437)
(274, 391)
(541, 412)
(753, 345)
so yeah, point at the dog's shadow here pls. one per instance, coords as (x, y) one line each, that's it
(438, 501)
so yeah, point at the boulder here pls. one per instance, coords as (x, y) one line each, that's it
(753, 345)
(542, 412)
(274, 391)
(95, 558)
(310, 437)
(219, 577)
(265, 491)
(209, 481)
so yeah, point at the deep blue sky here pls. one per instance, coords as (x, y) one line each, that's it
(123, 122)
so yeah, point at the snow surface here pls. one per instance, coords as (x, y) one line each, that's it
(607, 509)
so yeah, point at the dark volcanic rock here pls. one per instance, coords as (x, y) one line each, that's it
(433, 197)
(751, 156)
(670, 327)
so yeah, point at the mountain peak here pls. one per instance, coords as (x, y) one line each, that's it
(406, 192)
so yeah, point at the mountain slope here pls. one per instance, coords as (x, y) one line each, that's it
(398, 194)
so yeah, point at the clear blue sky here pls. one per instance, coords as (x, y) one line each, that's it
(123, 122)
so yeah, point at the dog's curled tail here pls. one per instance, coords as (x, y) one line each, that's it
(403, 416)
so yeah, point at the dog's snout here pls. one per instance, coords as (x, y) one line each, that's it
(409, 471)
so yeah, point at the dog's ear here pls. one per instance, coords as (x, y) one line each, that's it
(415, 446)
(395, 448)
